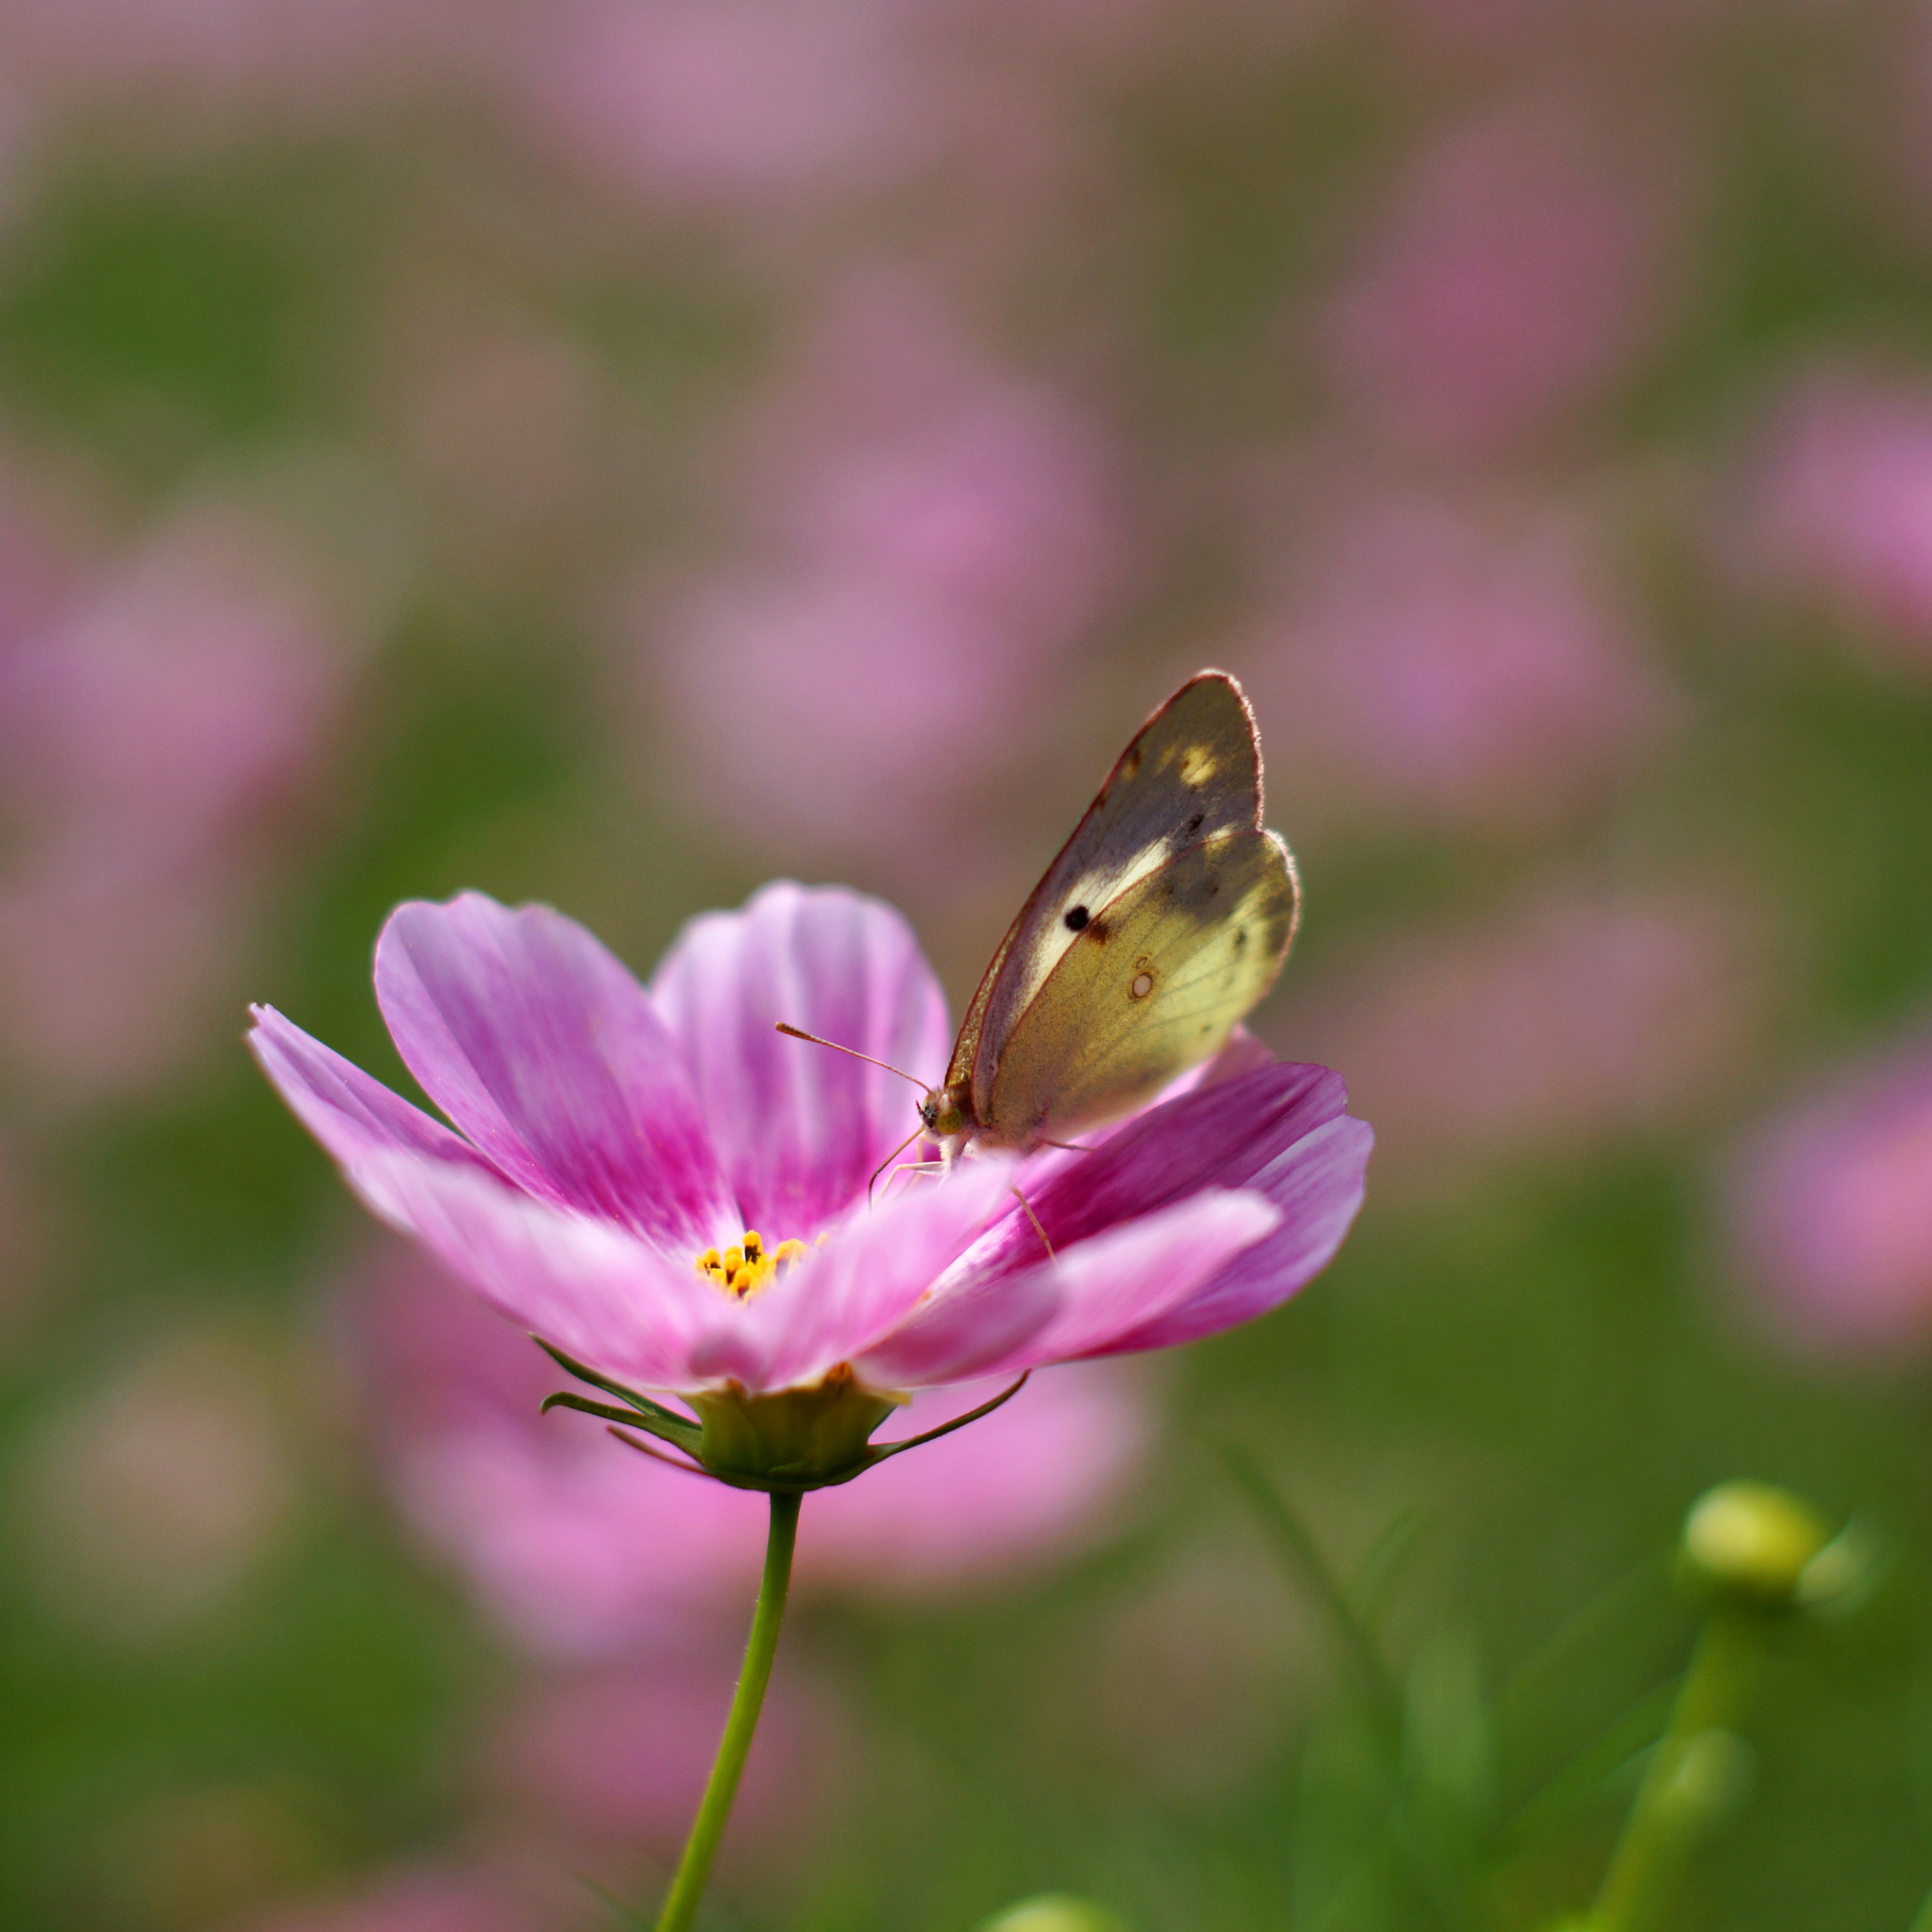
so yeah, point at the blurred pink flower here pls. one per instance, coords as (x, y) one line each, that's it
(425, 1900)
(580, 1553)
(618, 1135)
(1445, 666)
(1568, 1017)
(699, 102)
(1831, 1209)
(1519, 270)
(151, 732)
(937, 538)
(1840, 507)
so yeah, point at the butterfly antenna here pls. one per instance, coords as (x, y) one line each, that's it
(799, 1033)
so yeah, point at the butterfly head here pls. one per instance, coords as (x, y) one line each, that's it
(945, 1112)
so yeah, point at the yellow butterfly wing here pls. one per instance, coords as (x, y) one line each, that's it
(1152, 984)
(1188, 781)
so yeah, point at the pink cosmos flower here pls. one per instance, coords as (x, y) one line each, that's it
(1448, 667)
(580, 1554)
(1832, 1210)
(1519, 271)
(1841, 506)
(617, 1135)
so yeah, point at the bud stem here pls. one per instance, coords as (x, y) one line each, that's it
(1681, 1796)
(714, 1811)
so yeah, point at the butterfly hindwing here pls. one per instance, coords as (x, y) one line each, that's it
(1152, 984)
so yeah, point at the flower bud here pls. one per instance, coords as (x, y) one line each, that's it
(1054, 1911)
(1749, 1543)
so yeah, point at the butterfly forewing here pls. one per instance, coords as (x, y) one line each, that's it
(1152, 984)
(1193, 769)
(1172, 844)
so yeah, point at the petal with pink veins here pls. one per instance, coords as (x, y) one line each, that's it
(543, 1048)
(1138, 1272)
(1220, 1136)
(1281, 1130)
(347, 1110)
(800, 1129)
(1318, 1184)
(1092, 1293)
(965, 1330)
(596, 1290)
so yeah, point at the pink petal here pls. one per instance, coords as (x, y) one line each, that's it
(1220, 1135)
(1136, 1274)
(965, 1330)
(345, 1109)
(833, 1305)
(800, 1129)
(541, 1047)
(590, 1286)
(1318, 1184)
(593, 1289)
(1000, 1322)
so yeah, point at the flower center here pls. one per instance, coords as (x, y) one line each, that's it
(741, 1270)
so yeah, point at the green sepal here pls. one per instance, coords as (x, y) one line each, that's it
(640, 1410)
(686, 1438)
(783, 1443)
(1006, 1395)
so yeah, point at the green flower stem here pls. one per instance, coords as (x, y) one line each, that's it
(714, 1812)
(1691, 1781)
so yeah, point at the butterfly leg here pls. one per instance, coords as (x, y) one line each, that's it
(913, 1167)
(889, 1158)
(1028, 1205)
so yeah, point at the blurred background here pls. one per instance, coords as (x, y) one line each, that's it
(612, 451)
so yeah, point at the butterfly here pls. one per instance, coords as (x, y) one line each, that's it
(1163, 921)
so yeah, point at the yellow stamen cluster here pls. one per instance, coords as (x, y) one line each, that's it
(744, 1269)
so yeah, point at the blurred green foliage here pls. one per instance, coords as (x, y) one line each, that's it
(1494, 1408)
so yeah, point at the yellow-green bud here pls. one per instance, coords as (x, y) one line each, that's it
(1054, 1911)
(1751, 1542)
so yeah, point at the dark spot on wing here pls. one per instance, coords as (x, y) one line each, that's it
(1240, 938)
(1194, 824)
(1077, 917)
(1100, 930)
(1130, 760)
